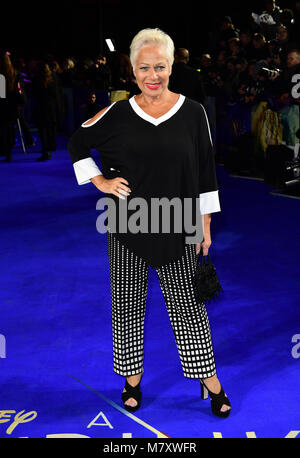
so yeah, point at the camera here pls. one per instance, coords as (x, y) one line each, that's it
(292, 171)
(269, 73)
(216, 81)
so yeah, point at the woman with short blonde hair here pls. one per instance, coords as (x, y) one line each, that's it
(154, 37)
(156, 145)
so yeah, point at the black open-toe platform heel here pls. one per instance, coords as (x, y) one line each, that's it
(132, 392)
(216, 400)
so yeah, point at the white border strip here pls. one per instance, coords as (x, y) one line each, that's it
(209, 202)
(108, 108)
(156, 121)
(207, 125)
(85, 169)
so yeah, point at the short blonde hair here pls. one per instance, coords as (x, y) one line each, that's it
(152, 36)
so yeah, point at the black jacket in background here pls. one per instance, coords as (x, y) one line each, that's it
(46, 104)
(187, 81)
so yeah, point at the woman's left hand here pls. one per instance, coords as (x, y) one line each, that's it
(205, 244)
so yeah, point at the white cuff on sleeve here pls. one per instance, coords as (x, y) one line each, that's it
(85, 169)
(209, 202)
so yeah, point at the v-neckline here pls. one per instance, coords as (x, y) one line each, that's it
(156, 121)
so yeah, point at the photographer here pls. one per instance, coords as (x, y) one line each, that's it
(213, 82)
(293, 61)
(259, 47)
(283, 78)
(274, 12)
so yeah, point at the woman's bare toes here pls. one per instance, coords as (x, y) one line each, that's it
(130, 402)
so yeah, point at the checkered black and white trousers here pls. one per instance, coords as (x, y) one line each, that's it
(190, 324)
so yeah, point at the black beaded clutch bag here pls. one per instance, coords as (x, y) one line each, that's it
(206, 282)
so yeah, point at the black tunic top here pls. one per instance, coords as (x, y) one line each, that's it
(171, 156)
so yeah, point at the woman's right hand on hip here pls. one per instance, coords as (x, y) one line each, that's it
(116, 186)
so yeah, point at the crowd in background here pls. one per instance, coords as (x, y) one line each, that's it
(243, 67)
(249, 75)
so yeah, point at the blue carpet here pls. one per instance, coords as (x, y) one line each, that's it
(56, 346)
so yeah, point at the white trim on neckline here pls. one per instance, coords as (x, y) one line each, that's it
(156, 121)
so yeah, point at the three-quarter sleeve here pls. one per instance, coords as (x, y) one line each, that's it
(208, 185)
(91, 134)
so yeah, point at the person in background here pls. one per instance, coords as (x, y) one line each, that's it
(45, 92)
(203, 64)
(67, 75)
(293, 60)
(99, 74)
(122, 74)
(9, 105)
(292, 67)
(246, 41)
(56, 69)
(221, 60)
(205, 61)
(227, 30)
(24, 81)
(283, 41)
(235, 48)
(185, 79)
(273, 10)
(90, 108)
(260, 48)
(80, 77)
